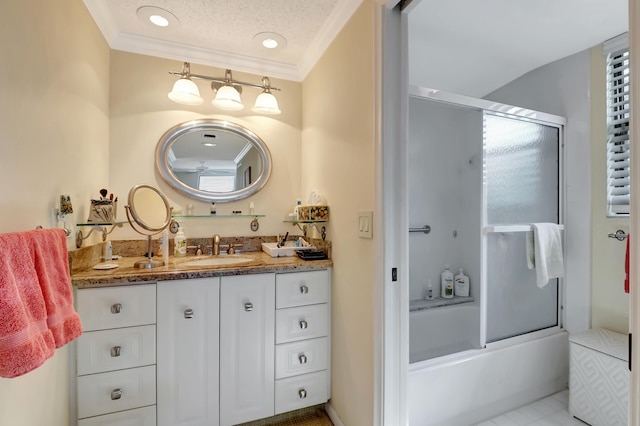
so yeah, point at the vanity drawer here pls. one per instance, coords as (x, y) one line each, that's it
(302, 288)
(113, 307)
(305, 322)
(302, 391)
(108, 350)
(116, 391)
(305, 356)
(145, 416)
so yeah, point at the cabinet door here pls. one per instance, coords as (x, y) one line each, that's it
(247, 348)
(188, 352)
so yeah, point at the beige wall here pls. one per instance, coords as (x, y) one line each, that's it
(54, 130)
(609, 302)
(141, 113)
(338, 159)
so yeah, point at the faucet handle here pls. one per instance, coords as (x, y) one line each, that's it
(197, 249)
(231, 250)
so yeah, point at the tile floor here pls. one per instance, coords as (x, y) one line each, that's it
(550, 411)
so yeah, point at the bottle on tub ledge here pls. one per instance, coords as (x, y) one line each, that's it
(461, 284)
(428, 294)
(446, 283)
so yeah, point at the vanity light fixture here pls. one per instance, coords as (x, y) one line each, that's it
(185, 90)
(227, 92)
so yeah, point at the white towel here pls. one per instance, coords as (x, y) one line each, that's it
(544, 252)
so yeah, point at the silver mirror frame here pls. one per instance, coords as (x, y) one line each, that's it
(171, 135)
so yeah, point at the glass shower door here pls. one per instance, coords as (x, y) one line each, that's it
(522, 181)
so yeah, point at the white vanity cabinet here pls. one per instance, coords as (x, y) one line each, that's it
(247, 311)
(115, 382)
(188, 351)
(214, 351)
(303, 350)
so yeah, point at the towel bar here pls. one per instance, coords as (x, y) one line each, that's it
(619, 235)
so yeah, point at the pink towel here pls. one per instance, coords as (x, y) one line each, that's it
(52, 269)
(25, 339)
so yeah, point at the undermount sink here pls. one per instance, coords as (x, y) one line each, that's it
(218, 261)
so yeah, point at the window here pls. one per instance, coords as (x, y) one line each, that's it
(217, 183)
(618, 180)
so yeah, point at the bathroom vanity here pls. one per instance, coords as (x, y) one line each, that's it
(182, 345)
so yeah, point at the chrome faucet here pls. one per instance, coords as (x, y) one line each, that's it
(216, 245)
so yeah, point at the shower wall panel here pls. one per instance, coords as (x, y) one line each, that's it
(445, 187)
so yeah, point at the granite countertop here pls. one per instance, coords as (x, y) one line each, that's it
(125, 273)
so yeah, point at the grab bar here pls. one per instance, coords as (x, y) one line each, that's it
(426, 229)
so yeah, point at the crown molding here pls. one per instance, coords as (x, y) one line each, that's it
(215, 58)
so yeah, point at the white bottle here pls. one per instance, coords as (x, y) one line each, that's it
(180, 243)
(461, 284)
(428, 295)
(165, 244)
(446, 282)
(107, 252)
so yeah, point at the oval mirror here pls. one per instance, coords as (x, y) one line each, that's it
(213, 160)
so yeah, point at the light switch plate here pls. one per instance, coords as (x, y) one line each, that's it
(365, 224)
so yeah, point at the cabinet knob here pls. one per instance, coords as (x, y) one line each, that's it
(116, 308)
(302, 358)
(304, 289)
(115, 351)
(248, 306)
(188, 313)
(116, 394)
(302, 393)
(303, 324)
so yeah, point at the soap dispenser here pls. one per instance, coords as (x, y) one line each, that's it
(180, 243)
(461, 284)
(446, 283)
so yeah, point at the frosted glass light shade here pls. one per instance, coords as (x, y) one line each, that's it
(185, 92)
(266, 103)
(227, 98)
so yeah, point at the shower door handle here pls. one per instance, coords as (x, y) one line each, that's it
(426, 229)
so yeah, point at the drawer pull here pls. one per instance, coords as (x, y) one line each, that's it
(302, 358)
(115, 351)
(304, 289)
(116, 308)
(188, 313)
(248, 306)
(116, 394)
(303, 324)
(302, 393)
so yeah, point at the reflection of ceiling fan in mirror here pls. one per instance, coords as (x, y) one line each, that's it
(202, 167)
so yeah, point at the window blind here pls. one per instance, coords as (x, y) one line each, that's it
(618, 180)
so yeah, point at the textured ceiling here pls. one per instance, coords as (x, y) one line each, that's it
(220, 32)
(473, 47)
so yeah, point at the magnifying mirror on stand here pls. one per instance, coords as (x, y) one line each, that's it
(149, 214)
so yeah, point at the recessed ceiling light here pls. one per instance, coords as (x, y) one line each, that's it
(157, 17)
(270, 41)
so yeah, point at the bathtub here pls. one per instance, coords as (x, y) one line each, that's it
(472, 386)
(442, 331)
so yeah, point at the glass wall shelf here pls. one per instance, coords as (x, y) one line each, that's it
(213, 216)
(254, 225)
(304, 224)
(102, 227)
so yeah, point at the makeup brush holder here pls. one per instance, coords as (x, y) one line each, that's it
(102, 211)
